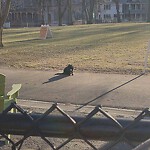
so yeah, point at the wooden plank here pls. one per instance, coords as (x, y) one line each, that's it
(2, 85)
(15, 91)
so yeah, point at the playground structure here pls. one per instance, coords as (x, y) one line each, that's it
(11, 96)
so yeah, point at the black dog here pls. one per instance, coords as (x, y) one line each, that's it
(68, 70)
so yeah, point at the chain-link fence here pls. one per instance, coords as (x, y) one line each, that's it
(61, 125)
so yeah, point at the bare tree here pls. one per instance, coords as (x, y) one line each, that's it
(63, 6)
(117, 9)
(148, 14)
(84, 10)
(88, 10)
(61, 11)
(4, 10)
(44, 9)
(70, 22)
(91, 12)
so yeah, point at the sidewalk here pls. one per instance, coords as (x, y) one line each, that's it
(72, 109)
(81, 88)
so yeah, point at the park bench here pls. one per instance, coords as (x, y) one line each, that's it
(11, 96)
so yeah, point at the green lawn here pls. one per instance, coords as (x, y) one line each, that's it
(117, 48)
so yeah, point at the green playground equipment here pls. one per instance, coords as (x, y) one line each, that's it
(11, 96)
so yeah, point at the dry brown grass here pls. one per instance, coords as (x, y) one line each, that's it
(113, 48)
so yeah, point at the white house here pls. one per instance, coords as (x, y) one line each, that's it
(107, 11)
(130, 10)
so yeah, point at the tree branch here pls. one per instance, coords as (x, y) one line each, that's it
(6, 11)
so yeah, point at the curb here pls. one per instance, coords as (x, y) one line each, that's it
(68, 107)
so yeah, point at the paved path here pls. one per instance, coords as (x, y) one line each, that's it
(81, 88)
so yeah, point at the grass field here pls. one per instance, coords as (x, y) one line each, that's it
(116, 48)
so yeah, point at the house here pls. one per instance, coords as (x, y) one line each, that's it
(134, 10)
(107, 11)
(130, 10)
(28, 13)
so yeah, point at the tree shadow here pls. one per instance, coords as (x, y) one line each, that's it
(58, 76)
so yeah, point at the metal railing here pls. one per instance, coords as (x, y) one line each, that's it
(62, 125)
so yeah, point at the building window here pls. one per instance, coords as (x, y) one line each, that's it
(107, 7)
(144, 16)
(132, 6)
(125, 8)
(143, 7)
(107, 16)
(133, 16)
(138, 6)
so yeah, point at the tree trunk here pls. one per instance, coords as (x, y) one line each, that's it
(1, 35)
(117, 9)
(1, 27)
(83, 14)
(70, 22)
(85, 11)
(6, 11)
(91, 11)
(148, 15)
(3, 15)
(59, 13)
(88, 9)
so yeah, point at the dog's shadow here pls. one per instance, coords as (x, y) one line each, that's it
(58, 76)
